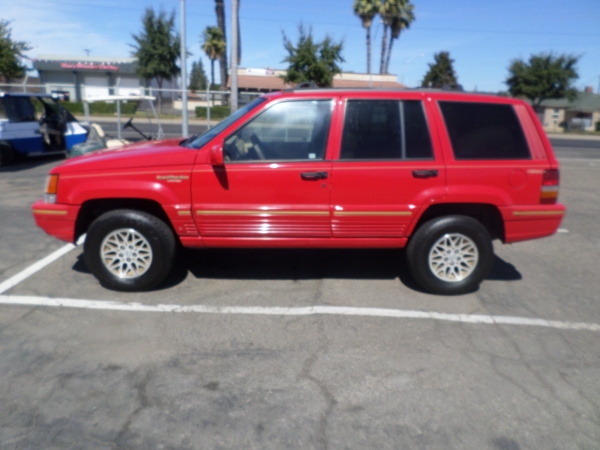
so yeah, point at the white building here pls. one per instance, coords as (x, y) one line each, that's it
(84, 77)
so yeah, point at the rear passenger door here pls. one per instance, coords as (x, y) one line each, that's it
(388, 168)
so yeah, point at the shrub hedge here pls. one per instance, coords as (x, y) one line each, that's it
(127, 109)
(216, 112)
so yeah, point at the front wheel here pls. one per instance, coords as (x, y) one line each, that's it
(129, 250)
(450, 255)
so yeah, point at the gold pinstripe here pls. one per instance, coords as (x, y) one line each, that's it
(538, 213)
(50, 212)
(258, 213)
(372, 213)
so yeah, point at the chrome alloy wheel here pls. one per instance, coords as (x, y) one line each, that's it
(126, 253)
(453, 257)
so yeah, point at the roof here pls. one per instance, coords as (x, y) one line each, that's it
(96, 59)
(383, 93)
(585, 102)
(21, 94)
(87, 64)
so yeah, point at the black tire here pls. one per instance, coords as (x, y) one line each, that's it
(421, 246)
(8, 155)
(158, 237)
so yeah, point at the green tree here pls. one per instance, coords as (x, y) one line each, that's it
(213, 44)
(157, 48)
(366, 10)
(440, 72)
(544, 76)
(312, 61)
(401, 21)
(10, 52)
(197, 76)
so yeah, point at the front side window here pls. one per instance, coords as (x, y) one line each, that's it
(19, 109)
(203, 139)
(294, 130)
(385, 130)
(484, 131)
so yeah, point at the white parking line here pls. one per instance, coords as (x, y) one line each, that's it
(16, 279)
(298, 311)
(562, 230)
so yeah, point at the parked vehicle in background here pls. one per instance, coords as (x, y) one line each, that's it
(97, 140)
(36, 124)
(440, 173)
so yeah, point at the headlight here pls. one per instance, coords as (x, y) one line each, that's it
(51, 189)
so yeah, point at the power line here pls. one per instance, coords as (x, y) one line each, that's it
(355, 24)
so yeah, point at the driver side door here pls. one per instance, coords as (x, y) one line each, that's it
(275, 181)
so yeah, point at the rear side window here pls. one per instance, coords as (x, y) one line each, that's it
(484, 131)
(385, 130)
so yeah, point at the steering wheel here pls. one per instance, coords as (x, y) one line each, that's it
(128, 123)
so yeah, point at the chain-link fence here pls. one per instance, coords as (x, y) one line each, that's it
(212, 106)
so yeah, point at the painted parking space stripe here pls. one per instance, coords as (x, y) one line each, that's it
(16, 279)
(36, 267)
(294, 311)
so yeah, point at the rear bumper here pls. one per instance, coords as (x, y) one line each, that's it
(56, 220)
(531, 222)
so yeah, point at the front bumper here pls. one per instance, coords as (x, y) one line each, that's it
(56, 220)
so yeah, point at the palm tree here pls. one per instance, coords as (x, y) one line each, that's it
(366, 10)
(220, 10)
(214, 46)
(388, 9)
(400, 22)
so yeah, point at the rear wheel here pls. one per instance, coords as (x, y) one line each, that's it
(8, 155)
(129, 250)
(450, 255)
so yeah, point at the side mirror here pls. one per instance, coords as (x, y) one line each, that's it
(216, 155)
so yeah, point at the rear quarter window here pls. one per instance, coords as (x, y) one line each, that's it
(484, 131)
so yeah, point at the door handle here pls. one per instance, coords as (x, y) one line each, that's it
(313, 175)
(424, 173)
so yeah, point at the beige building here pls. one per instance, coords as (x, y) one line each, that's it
(583, 113)
(268, 80)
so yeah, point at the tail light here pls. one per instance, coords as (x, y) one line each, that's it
(550, 182)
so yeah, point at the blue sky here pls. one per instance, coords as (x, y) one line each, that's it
(482, 36)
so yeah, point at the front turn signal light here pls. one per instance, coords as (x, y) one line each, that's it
(550, 182)
(51, 189)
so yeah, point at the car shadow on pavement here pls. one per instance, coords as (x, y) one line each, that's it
(301, 264)
(26, 164)
(503, 271)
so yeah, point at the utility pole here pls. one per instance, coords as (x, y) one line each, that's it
(234, 55)
(184, 102)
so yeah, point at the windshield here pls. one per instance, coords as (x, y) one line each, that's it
(203, 139)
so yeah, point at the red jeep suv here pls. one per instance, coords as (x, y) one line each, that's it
(440, 173)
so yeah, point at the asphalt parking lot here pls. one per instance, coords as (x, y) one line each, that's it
(324, 349)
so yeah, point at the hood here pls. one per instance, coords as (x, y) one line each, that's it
(144, 154)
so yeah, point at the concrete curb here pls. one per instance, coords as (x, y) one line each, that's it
(576, 137)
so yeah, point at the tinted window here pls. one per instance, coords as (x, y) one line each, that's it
(484, 131)
(418, 141)
(385, 129)
(295, 130)
(19, 109)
